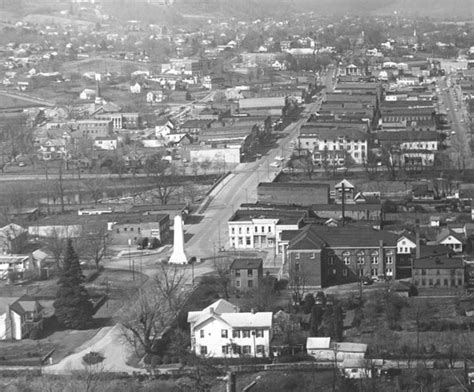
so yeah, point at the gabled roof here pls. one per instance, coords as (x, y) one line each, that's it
(444, 234)
(347, 185)
(246, 263)
(306, 239)
(218, 307)
(314, 237)
(25, 304)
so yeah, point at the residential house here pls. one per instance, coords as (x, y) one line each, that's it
(136, 88)
(163, 127)
(156, 96)
(106, 143)
(19, 316)
(453, 240)
(245, 274)
(12, 263)
(13, 238)
(326, 256)
(220, 330)
(88, 94)
(406, 248)
(52, 149)
(436, 267)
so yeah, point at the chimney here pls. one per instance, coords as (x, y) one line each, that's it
(252, 311)
(211, 310)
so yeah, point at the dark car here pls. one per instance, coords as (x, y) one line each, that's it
(390, 373)
(367, 281)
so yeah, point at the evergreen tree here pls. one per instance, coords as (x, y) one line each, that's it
(72, 306)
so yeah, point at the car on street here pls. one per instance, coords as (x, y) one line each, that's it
(275, 164)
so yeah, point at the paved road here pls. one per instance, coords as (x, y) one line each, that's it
(460, 150)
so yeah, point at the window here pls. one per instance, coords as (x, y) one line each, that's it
(240, 230)
(241, 240)
(313, 255)
(237, 273)
(446, 282)
(201, 333)
(263, 229)
(437, 272)
(250, 284)
(224, 333)
(203, 350)
(246, 350)
(346, 257)
(389, 257)
(250, 273)
(256, 229)
(236, 333)
(225, 349)
(260, 349)
(248, 230)
(246, 333)
(360, 258)
(259, 333)
(297, 255)
(459, 281)
(344, 272)
(124, 229)
(269, 229)
(248, 241)
(423, 271)
(374, 257)
(237, 283)
(131, 228)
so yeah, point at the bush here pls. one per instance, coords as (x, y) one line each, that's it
(166, 360)
(93, 358)
(155, 361)
(36, 334)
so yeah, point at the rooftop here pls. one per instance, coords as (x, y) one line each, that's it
(246, 264)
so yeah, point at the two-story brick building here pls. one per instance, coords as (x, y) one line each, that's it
(327, 256)
(132, 227)
(245, 274)
(436, 267)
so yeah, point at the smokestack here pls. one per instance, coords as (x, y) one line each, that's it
(252, 311)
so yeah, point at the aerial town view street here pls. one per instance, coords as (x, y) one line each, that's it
(236, 195)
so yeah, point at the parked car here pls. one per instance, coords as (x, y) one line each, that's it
(275, 164)
(366, 281)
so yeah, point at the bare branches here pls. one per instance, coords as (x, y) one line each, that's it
(154, 309)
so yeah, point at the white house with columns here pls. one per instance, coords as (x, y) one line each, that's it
(220, 331)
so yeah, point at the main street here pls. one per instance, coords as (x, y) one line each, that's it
(460, 147)
(211, 233)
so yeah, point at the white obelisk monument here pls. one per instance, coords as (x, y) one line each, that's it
(178, 256)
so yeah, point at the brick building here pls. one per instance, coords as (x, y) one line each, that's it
(304, 194)
(327, 256)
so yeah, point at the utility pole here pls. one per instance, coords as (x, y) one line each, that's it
(343, 204)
